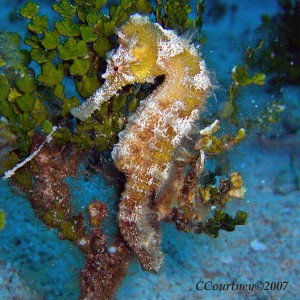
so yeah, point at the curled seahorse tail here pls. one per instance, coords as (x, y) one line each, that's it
(139, 228)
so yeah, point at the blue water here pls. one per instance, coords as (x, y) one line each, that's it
(35, 264)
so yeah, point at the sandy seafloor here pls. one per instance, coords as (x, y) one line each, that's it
(35, 264)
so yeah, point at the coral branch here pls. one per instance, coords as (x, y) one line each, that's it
(106, 265)
(104, 269)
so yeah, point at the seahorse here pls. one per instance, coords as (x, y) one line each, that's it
(146, 147)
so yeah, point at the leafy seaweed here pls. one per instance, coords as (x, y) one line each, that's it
(29, 10)
(175, 14)
(280, 57)
(241, 77)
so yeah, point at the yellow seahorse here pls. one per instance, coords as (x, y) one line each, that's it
(146, 147)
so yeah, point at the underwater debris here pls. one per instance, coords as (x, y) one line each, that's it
(11, 172)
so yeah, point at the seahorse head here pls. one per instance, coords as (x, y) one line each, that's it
(146, 50)
(135, 61)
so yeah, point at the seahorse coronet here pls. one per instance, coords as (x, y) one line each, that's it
(146, 147)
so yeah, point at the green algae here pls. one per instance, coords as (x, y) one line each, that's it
(29, 10)
(244, 76)
(38, 24)
(65, 9)
(72, 49)
(2, 219)
(47, 126)
(51, 40)
(51, 75)
(280, 55)
(67, 28)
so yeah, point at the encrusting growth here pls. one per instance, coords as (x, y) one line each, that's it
(146, 148)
